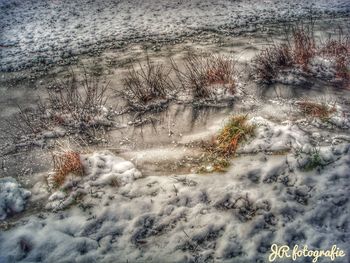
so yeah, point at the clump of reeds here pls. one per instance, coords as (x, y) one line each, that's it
(80, 100)
(76, 103)
(304, 46)
(299, 51)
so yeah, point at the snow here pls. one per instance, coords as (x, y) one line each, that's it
(43, 32)
(12, 197)
(234, 216)
(100, 169)
(289, 183)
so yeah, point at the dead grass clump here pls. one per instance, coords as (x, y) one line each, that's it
(81, 100)
(233, 133)
(304, 46)
(149, 83)
(76, 104)
(301, 48)
(225, 144)
(202, 73)
(66, 163)
(339, 51)
(271, 60)
(318, 110)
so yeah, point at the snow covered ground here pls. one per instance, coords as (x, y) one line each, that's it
(140, 201)
(43, 31)
(12, 197)
(289, 186)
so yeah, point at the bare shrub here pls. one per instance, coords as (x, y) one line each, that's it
(201, 73)
(299, 50)
(148, 83)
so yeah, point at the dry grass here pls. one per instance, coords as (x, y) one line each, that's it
(339, 51)
(201, 73)
(65, 163)
(149, 82)
(314, 109)
(82, 100)
(225, 144)
(304, 46)
(299, 51)
(271, 60)
(233, 133)
(76, 102)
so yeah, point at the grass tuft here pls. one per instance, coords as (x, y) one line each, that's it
(304, 47)
(300, 51)
(271, 60)
(338, 50)
(148, 83)
(233, 133)
(201, 74)
(225, 144)
(66, 163)
(319, 110)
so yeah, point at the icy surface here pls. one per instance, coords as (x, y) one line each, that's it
(12, 197)
(45, 31)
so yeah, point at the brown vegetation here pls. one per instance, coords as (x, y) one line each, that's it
(225, 144)
(299, 51)
(201, 73)
(66, 163)
(149, 82)
(304, 46)
(339, 51)
(316, 109)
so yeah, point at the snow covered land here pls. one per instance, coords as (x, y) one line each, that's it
(42, 32)
(96, 166)
(113, 214)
